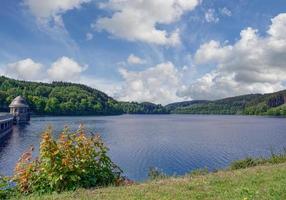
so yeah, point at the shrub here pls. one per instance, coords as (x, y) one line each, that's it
(199, 172)
(275, 158)
(7, 188)
(245, 163)
(72, 161)
(156, 174)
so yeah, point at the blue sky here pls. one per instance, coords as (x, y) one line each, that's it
(148, 50)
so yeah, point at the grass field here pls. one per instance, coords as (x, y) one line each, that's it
(260, 182)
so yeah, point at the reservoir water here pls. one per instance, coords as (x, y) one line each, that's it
(176, 144)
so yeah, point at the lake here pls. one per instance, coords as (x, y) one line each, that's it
(176, 144)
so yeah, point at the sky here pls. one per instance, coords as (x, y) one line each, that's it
(159, 51)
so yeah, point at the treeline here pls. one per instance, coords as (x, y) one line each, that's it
(269, 104)
(61, 98)
(254, 104)
(142, 108)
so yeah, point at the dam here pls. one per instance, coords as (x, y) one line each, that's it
(6, 124)
(19, 114)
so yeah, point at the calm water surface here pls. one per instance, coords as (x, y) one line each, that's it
(175, 144)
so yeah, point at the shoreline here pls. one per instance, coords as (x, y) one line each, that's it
(156, 114)
(259, 182)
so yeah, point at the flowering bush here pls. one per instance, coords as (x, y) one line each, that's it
(72, 161)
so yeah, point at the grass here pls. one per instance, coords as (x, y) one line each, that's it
(275, 158)
(260, 182)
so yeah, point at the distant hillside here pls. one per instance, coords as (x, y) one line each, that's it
(60, 98)
(184, 104)
(252, 104)
(142, 108)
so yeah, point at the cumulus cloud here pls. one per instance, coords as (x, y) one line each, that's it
(252, 64)
(278, 29)
(157, 84)
(135, 60)
(65, 69)
(51, 10)
(210, 16)
(26, 69)
(137, 20)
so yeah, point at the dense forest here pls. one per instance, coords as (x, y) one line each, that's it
(252, 104)
(60, 98)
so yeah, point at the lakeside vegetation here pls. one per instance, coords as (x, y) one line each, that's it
(266, 181)
(74, 160)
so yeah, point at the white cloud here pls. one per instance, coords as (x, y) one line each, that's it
(210, 16)
(135, 60)
(48, 15)
(26, 69)
(225, 12)
(211, 52)
(65, 69)
(89, 36)
(51, 10)
(137, 20)
(158, 84)
(278, 28)
(252, 64)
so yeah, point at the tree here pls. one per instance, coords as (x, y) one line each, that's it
(52, 105)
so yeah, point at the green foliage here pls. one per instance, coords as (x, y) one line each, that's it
(156, 174)
(228, 106)
(262, 183)
(6, 188)
(245, 163)
(275, 158)
(142, 108)
(254, 104)
(199, 172)
(61, 98)
(71, 162)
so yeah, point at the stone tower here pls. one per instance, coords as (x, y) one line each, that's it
(20, 110)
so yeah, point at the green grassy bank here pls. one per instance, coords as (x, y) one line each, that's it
(260, 182)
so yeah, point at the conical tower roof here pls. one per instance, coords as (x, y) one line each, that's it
(19, 102)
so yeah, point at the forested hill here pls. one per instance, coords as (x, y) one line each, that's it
(252, 104)
(60, 98)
